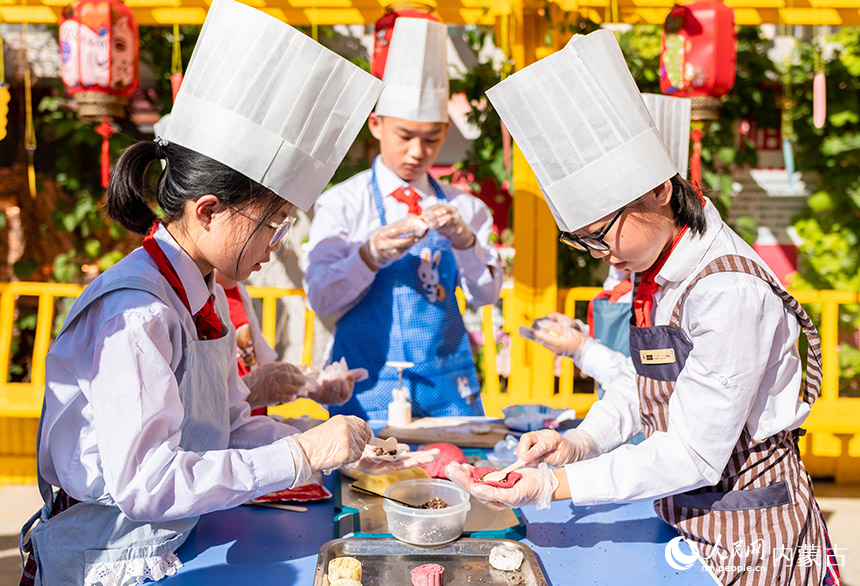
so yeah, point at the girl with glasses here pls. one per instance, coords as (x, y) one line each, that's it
(714, 380)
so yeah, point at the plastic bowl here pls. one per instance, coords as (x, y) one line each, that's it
(426, 526)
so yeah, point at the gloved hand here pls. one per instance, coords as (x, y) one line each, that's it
(557, 332)
(390, 242)
(375, 465)
(549, 447)
(274, 383)
(446, 220)
(536, 487)
(336, 391)
(338, 441)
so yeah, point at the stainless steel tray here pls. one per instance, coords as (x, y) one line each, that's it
(388, 562)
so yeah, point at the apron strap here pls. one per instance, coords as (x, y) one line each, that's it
(733, 263)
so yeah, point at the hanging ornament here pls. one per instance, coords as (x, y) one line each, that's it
(819, 86)
(4, 93)
(29, 126)
(787, 129)
(384, 28)
(698, 55)
(176, 63)
(99, 64)
(696, 158)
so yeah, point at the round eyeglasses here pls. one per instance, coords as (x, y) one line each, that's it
(280, 229)
(595, 241)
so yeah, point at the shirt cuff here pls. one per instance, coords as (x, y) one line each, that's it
(360, 274)
(273, 466)
(602, 428)
(586, 482)
(472, 261)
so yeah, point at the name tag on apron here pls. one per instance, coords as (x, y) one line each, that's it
(661, 356)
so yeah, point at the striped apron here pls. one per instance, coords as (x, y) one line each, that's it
(760, 523)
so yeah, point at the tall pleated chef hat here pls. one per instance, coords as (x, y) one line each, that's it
(270, 102)
(581, 124)
(671, 116)
(416, 72)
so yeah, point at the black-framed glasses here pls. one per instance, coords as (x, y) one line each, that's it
(280, 229)
(593, 242)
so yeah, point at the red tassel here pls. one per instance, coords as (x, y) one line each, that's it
(175, 82)
(506, 148)
(105, 129)
(696, 160)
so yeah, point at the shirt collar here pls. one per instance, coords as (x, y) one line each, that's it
(389, 181)
(197, 289)
(691, 249)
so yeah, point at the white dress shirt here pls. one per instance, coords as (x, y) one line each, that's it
(112, 417)
(744, 371)
(344, 216)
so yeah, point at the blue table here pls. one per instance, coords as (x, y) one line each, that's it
(609, 544)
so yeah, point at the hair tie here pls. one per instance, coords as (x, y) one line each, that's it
(160, 144)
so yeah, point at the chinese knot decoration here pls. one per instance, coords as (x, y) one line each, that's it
(384, 28)
(698, 60)
(99, 63)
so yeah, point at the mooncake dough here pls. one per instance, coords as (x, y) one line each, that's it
(428, 575)
(505, 557)
(448, 453)
(478, 473)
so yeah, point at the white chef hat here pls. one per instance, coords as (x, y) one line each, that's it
(671, 116)
(582, 126)
(270, 102)
(416, 72)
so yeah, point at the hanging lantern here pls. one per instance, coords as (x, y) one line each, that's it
(698, 55)
(100, 63)
(698, 60)
(385, 28)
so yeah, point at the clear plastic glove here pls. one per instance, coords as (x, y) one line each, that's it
(274, 383)
(390, 242)
(336, 391)
(536, 487)
(338, 441)
(377, 465)
(558, 333)
(549, 447)
(446, 220)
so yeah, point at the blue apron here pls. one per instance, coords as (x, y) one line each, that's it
(410, 314)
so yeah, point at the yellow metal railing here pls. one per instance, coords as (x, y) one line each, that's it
(835, 420)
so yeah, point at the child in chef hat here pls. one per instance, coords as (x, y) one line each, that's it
(715, 380)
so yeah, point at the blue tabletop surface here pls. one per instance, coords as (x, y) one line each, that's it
(606, 544)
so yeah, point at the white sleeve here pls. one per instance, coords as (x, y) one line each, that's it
(712, 400)
(335, 277)
(614, 419)
(137, 418)
(480, 268)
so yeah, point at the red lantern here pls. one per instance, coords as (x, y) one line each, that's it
(699, 54)
(385, 28)
(99, 65)
(698, 60)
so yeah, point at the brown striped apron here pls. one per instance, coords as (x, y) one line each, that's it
(760, 523)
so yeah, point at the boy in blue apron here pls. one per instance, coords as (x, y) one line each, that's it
(388, 247)
(716, 380)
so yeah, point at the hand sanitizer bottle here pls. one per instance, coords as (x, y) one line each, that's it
(400, 408)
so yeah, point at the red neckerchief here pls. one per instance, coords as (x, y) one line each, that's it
(209, 326)
(644, 301)
(408, 196)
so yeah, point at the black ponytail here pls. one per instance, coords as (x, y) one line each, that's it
(687, 206)
(127, 199)
(187, 176)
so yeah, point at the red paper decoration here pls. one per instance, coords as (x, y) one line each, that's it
(699, 50)
(385, 28)
(100, 56)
